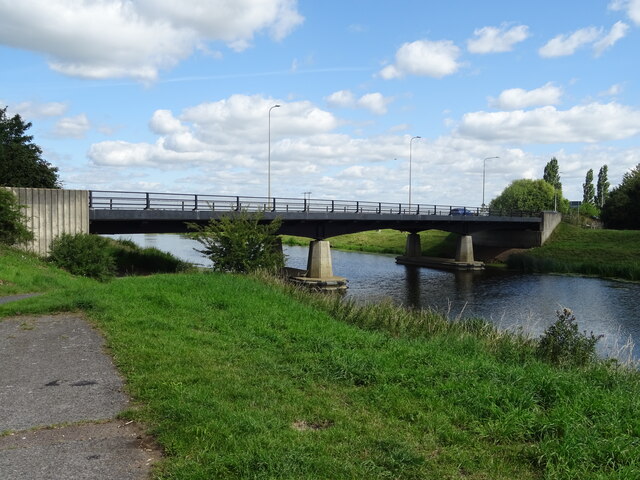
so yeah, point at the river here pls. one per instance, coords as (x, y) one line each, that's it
(510, 300)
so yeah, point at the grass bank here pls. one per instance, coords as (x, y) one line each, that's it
(240, 379)
(572, 249)
(435, 243)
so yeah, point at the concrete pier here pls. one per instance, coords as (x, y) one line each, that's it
(413, 247)
(464, 250)
(320, 269)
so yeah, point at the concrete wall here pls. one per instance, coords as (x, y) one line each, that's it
(519, 238)
(51, 212)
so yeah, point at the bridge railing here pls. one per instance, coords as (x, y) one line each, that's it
(114, 200)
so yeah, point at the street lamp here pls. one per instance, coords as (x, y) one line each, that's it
(269, 158)
(410, 155)
(484, 171)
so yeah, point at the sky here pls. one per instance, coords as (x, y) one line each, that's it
(167, 96)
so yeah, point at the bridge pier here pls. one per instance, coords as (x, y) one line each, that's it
(464, 250)
(413, 247)
(320, 269)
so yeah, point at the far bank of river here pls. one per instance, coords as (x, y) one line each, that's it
(510, 300)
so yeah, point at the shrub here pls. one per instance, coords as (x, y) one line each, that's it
(241, 243)
(562, 343)
(12, 221)
(130, 259)
(83, 254)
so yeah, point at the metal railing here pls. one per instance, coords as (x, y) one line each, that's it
(115, 200)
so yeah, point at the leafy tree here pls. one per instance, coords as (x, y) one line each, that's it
(552, 174)
(603, 185)
(527, 195)
(588, 190)
(622, 207)
(12, 221)
(21, 164)
(240, 243)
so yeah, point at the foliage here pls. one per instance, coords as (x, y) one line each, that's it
(552, 174)
(526, 195)
(588, 190)
(240, 243)
(130, 259)
(589, 210)
(602, 185)
(21, 164)
(12, 221)
(622, 206)
(83, 254)
(562, 343)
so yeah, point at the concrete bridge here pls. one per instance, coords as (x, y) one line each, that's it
(111, 212)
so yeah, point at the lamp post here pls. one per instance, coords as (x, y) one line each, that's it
(410, 155)
(269, 158)
(484, 171)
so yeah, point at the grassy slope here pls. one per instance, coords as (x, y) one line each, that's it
(435, 243)
(571, 249)
(238, 379)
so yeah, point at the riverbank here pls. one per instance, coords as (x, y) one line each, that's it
(241, 379)
(570, 249)
(597, 252)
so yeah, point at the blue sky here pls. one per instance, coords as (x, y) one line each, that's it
(158, 95)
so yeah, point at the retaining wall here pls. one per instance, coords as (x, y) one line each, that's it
(51, 212)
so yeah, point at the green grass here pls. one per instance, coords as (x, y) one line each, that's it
(435, 243)
(241, 379)
(571, 249)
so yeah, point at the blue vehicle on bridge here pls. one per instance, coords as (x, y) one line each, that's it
(461, 211)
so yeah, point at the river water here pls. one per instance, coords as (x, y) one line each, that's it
(510, 300)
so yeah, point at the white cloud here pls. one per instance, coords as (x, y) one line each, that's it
(72, 127)
(32, 110)
(631, 7)
(584, 123)
(612, 91)
(563, 45)
(374, 102)
(518, 98)
(424, 58)
(495, 40)
(341, 99)
(618, 31)
(119, 38)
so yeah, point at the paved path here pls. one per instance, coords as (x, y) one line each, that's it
(53, 371)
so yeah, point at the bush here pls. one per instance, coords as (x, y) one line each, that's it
(83, 254)
(130, 259)
(241, 243)
(12, 221)
(562, 343)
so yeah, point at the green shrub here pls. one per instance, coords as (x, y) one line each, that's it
(241, 243)
(130, 259)
(83, 254)
(562, 343)
(12, 221)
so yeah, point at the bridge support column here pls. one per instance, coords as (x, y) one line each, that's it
(319, 260)
(413, 247)
(464, 251)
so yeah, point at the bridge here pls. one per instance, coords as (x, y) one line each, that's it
(118, 212)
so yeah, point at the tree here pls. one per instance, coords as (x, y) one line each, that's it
(622, 208)
(12, 221)
(21, 164)
(552, 174)
(527, 195)
(240, 243)
(602, 186)
(588, 190)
